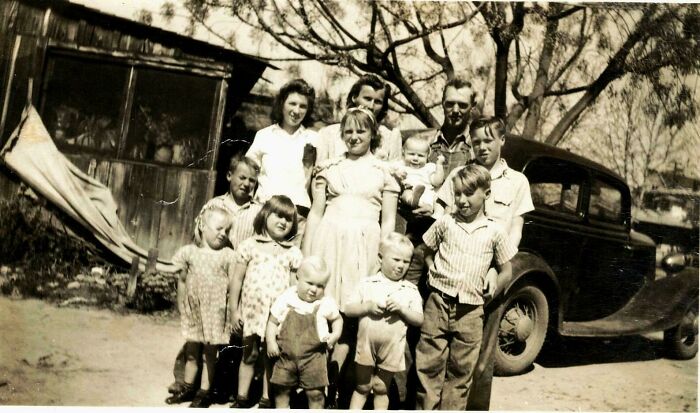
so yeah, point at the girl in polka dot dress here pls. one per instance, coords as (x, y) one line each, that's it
(265, 267)
(202, 291)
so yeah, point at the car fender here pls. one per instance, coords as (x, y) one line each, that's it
(657, 306)
(529, 266)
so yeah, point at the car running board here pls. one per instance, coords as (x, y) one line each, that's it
(657, 306)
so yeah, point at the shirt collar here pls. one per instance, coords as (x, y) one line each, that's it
(462, 137)
(297, 132)
(266, 239)
(471, 227)
(232, 202)
(499, 169)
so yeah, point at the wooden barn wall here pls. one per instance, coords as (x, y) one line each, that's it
(157, 204)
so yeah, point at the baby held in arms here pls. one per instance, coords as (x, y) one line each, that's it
(419, 177)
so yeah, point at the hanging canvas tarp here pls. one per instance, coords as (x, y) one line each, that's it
(31, 153)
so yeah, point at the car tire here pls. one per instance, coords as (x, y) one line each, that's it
(681, 341)
(522, 329)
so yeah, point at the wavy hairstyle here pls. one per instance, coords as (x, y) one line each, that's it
(493, 127)
(375, 83)
(293, 86)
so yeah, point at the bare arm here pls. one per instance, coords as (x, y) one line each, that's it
(411, 317)
(515, 232)
(429, 255)
(234, 288)
(273, 349)
(361, 309)
(336, 330)
(181, 291)
(389, 203)
(505, 273)
(318, 207)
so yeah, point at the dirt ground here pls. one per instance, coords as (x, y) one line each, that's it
(83, 356)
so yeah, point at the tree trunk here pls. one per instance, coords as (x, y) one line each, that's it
(501, 82)
(421, 110)
(534, 111)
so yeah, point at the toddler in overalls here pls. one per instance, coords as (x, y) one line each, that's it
(298, 335)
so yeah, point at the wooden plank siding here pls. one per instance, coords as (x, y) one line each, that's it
(26, 61)
(157, 203)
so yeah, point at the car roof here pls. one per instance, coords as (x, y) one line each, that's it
(518, 151)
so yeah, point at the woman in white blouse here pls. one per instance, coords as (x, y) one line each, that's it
(279, 149)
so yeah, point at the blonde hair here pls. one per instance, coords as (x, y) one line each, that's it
(203, 218)
(395, 239)
(314, 265)
(419, 139)
(470, 178)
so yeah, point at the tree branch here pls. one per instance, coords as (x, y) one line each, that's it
(574, 55)
(566, 13)
(328, 13)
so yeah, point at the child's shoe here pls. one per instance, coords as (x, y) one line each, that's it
(175, 387)
(265, 403)
(240, 403)
(185, 394)
(201, 399)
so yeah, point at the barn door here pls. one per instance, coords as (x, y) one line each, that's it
(22, 65)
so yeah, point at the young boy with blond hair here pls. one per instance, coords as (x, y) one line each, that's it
(386, 303)
(298, 336)
(461, 247)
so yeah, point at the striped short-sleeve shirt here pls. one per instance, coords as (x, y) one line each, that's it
(463, 254)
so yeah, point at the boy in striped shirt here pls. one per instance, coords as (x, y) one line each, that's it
(462, 246)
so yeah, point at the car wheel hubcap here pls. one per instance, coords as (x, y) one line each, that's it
(516, 327)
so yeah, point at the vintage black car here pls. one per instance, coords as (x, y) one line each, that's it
(581, 269)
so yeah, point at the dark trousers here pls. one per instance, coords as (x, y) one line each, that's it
(226, 374)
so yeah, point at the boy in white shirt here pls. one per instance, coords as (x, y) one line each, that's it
(386, 303)
(297, 334)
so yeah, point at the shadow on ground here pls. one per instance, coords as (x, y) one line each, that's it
(579, 351)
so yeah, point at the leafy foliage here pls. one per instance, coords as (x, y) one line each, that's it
(551, 60)
(42, 259)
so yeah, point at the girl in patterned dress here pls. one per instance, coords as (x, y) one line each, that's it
(264, 269)
(202, 291)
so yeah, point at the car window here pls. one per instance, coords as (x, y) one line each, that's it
(555, 196)
(605, 203)
(555, 185)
